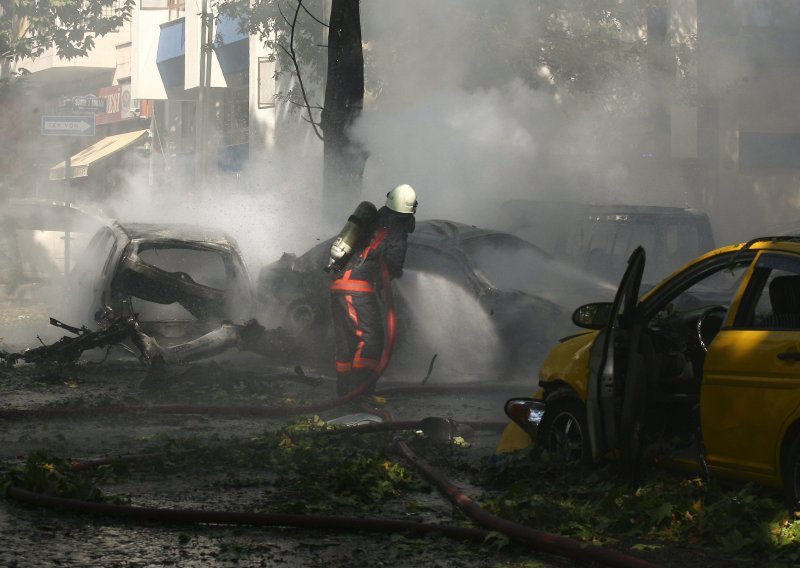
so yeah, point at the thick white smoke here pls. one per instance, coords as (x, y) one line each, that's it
(464, 151)
(451, 109)
(456, 114)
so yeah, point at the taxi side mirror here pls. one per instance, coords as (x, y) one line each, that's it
(592, 316)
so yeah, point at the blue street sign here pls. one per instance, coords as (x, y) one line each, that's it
(82, 125)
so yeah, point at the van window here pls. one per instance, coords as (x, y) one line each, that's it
(600, 238)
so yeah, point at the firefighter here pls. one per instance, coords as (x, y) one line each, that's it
(357, 314)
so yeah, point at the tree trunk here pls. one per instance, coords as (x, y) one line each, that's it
(344, 159)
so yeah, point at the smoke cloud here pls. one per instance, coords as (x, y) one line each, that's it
(455, 116)
(457, 108)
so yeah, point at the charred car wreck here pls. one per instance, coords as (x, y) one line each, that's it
(180, 281)
(499, 299)
(171, 292)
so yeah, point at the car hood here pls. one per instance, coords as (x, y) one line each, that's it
(569, 361)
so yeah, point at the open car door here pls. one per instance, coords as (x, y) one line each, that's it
(604, 401)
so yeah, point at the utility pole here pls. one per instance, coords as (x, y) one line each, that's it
(71, 125)
(661, 74)
(201, 116)
(67, 198)
(343, 158)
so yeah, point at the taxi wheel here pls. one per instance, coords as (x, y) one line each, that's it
(790, 471)
(564, 432)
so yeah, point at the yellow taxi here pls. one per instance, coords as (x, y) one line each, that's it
(707, 363)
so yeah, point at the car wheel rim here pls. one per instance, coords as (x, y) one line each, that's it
(301, 316)
(565, 441)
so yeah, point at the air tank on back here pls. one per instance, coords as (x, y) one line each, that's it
(358, 227)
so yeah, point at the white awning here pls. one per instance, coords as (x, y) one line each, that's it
(81, 162)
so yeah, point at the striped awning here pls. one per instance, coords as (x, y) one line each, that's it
(82, 162)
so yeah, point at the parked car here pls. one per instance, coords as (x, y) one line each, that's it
(34, 254)
(485, 301)
(181, 281)
(600, 237)
(707, 360)
(32, 244)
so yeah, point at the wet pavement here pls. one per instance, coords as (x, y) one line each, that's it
(95, 410)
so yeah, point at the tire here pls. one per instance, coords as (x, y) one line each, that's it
(564, 431)
(300, 315)
(790, 473)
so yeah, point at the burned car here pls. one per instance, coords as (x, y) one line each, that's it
(165, 293)
(179, 281)
(484, 302)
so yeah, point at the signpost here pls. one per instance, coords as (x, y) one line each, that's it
(69, 125)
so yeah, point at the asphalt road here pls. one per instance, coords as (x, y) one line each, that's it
(88, 412)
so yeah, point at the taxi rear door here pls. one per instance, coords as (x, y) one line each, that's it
(751, 377)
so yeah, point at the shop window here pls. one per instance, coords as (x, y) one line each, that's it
(110, 10)
(266, 97)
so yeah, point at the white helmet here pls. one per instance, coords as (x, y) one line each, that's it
(402, 199)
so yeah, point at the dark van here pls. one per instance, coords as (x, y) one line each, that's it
(601, 237)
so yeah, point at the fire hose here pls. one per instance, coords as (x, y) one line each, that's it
(333, 522)
(539, 540)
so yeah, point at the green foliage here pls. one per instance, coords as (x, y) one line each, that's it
(593, 504)
(56, 477)
(594, 49)
(577, 47)
(352, 481)
(584, 44)
(28, 29)
(303, 468)
(324, 473)
(316, 472)
(300, 467)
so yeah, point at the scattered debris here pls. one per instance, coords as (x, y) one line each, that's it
(119, 330)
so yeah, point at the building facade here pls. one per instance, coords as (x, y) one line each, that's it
(749, 114)
(170, 115)
(731, 139)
